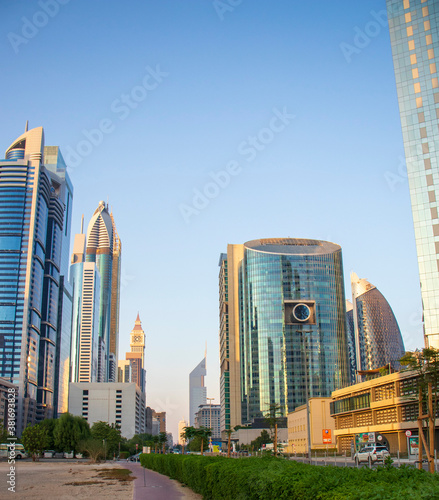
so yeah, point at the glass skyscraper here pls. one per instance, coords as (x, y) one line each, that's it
(415, 45)
(290, 309)
(103, 247)
(35, 303)
(197, 389)
(375, 333)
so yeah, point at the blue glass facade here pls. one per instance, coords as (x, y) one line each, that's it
(274, 277)
(414, 35)
(32, 219)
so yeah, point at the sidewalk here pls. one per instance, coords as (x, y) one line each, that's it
(154, 486)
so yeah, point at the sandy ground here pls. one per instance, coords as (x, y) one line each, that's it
(49, 480)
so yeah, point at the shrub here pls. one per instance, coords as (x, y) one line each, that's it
(220, 478)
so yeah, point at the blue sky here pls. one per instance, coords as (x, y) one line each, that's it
(151, 100)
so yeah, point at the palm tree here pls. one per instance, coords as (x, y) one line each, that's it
(163, 438)
(201, 432)
(271, 417)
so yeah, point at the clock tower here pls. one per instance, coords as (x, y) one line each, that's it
(136, 356)
(137, 340)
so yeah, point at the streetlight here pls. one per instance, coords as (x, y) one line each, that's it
(308, 426)
(210, 421)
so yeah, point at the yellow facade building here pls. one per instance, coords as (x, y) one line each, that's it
(321, 423)
(383, 408)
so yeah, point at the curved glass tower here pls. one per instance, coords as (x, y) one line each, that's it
(292, 323)
(378, 339)
(35, 304)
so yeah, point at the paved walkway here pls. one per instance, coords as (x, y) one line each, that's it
(155, 486)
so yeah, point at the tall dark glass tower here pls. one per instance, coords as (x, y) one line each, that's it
(35, 304)
(292, 324)
(415, 45)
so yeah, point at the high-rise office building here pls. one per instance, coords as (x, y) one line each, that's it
(100, 244)
(115, 304)
(197, 390)
(209, 416)
(35, 301)
(85, 281)
(413, 32)
(286, 325)
(377, 336)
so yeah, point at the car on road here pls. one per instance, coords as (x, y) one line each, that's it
(13, 450)
(134, 458)
(372, 453)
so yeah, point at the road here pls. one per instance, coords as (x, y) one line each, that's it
(154, 486)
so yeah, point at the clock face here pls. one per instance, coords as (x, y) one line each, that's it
(137, 338)
(301, 312)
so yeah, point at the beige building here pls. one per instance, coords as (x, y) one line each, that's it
(383, 408)
(230, 383)
(321, 423)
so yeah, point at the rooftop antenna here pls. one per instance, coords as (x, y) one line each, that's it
(82, 224)
(27, 126)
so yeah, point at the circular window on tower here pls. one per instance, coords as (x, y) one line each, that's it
(301, 312)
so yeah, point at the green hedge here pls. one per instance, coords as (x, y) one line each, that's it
(220, 478)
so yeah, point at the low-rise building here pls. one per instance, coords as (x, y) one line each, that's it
(322, 427)
(121, 404)
(379, 410)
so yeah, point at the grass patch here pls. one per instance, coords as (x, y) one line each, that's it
(121, 475)
(82, 483)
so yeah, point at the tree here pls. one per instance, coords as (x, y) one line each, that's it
(425, 363)
(49, 425)
(163, 439)
(34, 440)
(271, 418)
(69, 431)
(202, 433)
(93, 447)
(264, 438)
(104, 432)
(3, 433)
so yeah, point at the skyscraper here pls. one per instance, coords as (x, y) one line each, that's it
(35, 201)
(377, 337)
(286, 325)
(413, 32)
(100, 241)
(197, 390)
(85, 281)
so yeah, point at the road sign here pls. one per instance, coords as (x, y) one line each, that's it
(327, 436)
(408, 433)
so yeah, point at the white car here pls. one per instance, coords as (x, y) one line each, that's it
(372, 453)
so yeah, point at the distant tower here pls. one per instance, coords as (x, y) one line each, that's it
(378, 340)
(197, 389)
(137, 355)
(181, 425)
